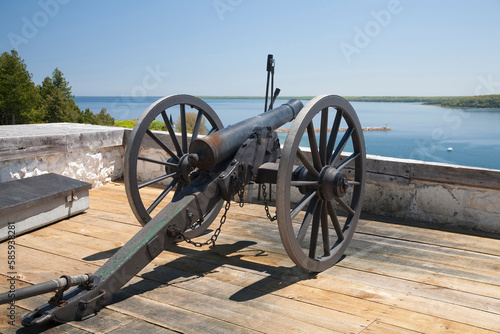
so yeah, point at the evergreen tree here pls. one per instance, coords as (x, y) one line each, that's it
(86, 116)
(103, 118)
(57, 106)
(18, 95)
(59, 81)
(51, 101)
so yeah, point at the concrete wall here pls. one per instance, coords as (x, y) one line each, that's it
(400, 188)
(434, 193)
(89, 153)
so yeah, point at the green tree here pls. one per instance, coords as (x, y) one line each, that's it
(86, 116)
(57, 105)
(190, 122)
(103, 118)
(60, 106)
(51, 101)
(59, 81)
(18, 95)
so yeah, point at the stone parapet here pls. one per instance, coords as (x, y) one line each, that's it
(427, 192)
(434, 193)
(89, 153)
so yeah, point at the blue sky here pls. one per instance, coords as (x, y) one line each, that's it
(219, 47)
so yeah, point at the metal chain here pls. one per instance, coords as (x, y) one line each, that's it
(241, 195)
(266, 207)
(223, 218)
(214, 236)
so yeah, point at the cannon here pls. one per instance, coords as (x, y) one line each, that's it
(319, 174)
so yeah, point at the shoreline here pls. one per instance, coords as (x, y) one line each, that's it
(487, 102)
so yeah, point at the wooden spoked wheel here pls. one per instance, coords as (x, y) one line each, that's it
(322, 172)
(158, 158)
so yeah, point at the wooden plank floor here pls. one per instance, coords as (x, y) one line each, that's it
(395, 278)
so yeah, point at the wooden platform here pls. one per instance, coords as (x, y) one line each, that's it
(395, 278)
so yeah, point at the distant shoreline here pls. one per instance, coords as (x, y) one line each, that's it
(480, 101)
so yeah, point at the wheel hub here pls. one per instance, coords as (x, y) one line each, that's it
(332, 184)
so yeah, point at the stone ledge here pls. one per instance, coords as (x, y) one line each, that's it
(404, 171)
(35, 140)
(435, 193)
(85, 152)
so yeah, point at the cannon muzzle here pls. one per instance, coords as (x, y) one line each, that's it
(207, 152)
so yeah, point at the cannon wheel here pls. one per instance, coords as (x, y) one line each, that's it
(170, 157)
(312, 232)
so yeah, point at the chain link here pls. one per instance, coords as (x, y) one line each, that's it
(266, 207)
(241, 195)
(214, 236)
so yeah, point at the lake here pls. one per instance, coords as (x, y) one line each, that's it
(421, 132)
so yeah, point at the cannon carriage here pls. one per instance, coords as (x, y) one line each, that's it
(319, 173)
(313, 181)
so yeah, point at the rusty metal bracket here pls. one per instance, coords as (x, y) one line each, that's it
(154, 247)
(58, 299)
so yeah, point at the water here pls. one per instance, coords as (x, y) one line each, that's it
(418, 132)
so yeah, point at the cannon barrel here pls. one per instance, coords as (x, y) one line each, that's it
(207, 152)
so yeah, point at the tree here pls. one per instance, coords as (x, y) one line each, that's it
(57, 103)
(190, 122)
(51, 101)
(60, 106)
(59, 81)
(18, 95)
(103, 118)
(86, 116)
